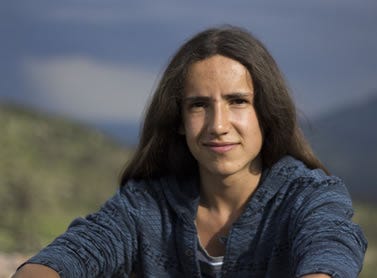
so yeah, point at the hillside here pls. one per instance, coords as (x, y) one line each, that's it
(346, 141)
(51, 170)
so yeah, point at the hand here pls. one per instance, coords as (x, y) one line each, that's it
(34, 271)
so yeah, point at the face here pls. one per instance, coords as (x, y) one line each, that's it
(219, 120)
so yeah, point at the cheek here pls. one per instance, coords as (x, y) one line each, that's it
(247, 125)
(246, 120)
(193, 126)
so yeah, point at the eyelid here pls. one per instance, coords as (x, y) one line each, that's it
(195, 100)
(240, 99)
(198, 103)
(243, 100)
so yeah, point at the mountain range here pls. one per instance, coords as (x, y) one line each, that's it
(344, 139)
(346, 142)
(53, 170)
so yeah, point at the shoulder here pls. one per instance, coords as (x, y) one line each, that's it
(307, 189)
(162, 195)
(153, 195)
(139, 193)
(320, 223)
(304, 181)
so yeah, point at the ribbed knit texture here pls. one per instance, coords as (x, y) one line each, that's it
(297, 222)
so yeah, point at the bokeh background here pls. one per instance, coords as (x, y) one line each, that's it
(75, 77)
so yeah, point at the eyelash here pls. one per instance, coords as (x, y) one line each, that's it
(203, 104)
(198, 104)
(238, 101)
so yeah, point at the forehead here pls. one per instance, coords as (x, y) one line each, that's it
(218, 73)
(217, 65)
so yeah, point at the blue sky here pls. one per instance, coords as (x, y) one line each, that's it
(98, 61)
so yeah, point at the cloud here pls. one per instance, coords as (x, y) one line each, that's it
(88, 89)
(105, 54)
(113, 11)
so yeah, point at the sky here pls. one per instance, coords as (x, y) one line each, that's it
(99, 61)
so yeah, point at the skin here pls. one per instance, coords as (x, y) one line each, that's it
(220, 122)
(223, 134)
(35, 271)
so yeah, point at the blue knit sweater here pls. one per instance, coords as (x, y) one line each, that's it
(297, 222)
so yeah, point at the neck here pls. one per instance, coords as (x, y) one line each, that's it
(227, 194)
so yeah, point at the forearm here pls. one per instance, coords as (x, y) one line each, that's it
(35, 270)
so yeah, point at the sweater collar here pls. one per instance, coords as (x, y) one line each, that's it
(183, 194)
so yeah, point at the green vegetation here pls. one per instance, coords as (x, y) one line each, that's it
(52, 171)
(366, 217)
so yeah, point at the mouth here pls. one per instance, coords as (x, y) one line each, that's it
(220, 147)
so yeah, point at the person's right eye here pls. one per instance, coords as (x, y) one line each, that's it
(198, 105)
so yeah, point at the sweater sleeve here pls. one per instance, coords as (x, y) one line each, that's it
(324, 238)
(100, 245)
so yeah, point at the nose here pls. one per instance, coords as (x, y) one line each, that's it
(218, 120)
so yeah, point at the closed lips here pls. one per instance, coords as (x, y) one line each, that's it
(220, 147)
(213, 144)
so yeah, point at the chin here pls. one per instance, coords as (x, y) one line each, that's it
(222, 170)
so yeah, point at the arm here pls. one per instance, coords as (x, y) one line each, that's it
(35, 271)
(101, 244)
(324, 238)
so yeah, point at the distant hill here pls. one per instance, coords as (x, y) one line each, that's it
(51, 170)
(126, 133)
(346, 141)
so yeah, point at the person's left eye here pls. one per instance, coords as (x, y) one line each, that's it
(238, 101)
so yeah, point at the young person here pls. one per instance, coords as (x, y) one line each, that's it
(222, 184)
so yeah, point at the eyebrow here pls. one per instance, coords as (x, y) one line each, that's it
(238, 95)
(226, 96)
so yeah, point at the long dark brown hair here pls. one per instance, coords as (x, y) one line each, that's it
(163, 151)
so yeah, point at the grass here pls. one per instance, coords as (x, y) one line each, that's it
(366, 217)
(47, 165)
(53, 170)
